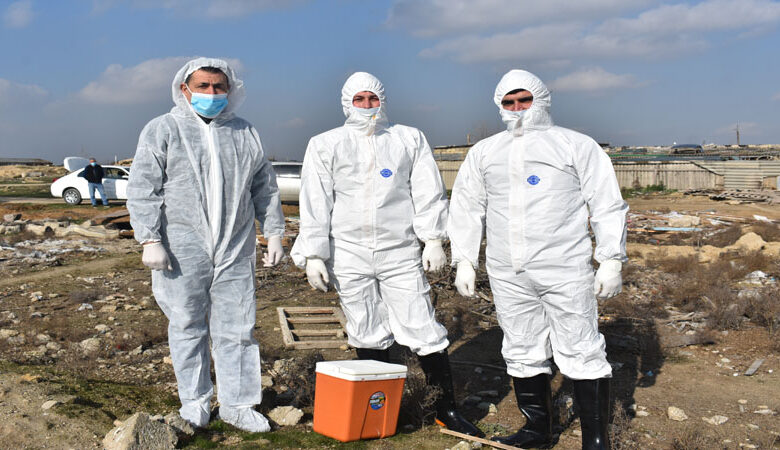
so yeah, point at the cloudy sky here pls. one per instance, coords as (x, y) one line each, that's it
(81, 77)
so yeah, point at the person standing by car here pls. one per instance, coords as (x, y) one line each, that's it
(93, 172)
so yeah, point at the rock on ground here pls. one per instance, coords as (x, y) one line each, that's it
(179, 424)
(285, 415)
(139, 432)
(462, 445)
(715, 420)
(90, 345)
(675, 413)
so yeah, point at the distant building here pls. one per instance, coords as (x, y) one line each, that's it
(448, 159)
(685, 149)
(451, 152)
(24, 162)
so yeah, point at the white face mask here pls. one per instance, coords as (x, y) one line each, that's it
(368, 113)
(513, 119)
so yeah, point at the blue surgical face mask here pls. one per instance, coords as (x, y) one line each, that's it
(366, 112)
(93, 163)
(207, 105)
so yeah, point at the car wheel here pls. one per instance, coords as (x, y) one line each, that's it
(71, 196)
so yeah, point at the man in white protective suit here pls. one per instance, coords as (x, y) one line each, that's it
(198, 182)
(369, 191)
(533, 187)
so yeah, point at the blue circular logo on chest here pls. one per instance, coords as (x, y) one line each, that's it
(533, 180)
(386, 173)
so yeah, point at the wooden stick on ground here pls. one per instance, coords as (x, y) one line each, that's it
(476, 439)
(478, 364)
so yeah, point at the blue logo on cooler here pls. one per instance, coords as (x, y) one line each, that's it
(386, 173)
(377, 400)
(533, 180)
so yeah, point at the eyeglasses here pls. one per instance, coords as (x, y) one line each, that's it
(517, 100)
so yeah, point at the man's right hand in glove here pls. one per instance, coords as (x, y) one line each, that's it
(155, 257)
(317, 274)
(465, 279)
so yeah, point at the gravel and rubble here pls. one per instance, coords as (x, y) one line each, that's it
(82, 308)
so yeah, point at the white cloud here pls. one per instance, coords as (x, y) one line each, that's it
(439, 17)
(146, 82)
(295, 122)
(707, 16)
(662, 32)
(592, 80)
(16, 94)
(206, 8)
(18, 14)
(560, 41)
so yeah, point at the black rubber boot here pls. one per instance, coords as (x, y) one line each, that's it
(534, 399)
(437, 373)
(373, 353)
(592, 399)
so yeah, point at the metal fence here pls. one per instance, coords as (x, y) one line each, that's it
(678, 175)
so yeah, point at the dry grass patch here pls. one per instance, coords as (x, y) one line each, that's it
(769, 232)
(620, 433)
(723, 237)
(728, 309)
(695, 438)
(419, 398)
(299, 376)
(764, 310)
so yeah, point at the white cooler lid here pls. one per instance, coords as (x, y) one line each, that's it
(361, 370)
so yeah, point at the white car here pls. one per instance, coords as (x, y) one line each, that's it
(73, 188)
(288, 177)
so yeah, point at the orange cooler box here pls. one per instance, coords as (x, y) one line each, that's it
(357, 399)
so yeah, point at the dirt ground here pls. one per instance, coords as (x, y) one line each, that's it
(79, 326)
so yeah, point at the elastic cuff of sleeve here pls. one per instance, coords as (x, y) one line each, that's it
(465, 263)
(613, 265)
(150, 241)
(433, 242)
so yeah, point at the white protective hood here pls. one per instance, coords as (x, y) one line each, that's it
(236, 93)
(358, 82)
(537, 117)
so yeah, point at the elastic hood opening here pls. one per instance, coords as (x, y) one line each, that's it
(537, 117)
(236, 93)
(359, 82)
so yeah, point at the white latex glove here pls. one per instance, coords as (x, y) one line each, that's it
(275, 252)
(155, 257)
(609, 281)
(317, 274)
(465, 279)
(433, 257)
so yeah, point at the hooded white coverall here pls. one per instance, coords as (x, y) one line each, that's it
(533, 187)
(369, 191)
(198, 188)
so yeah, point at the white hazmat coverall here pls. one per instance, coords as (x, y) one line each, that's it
(198, 189)
(533, 187)
(369, 191)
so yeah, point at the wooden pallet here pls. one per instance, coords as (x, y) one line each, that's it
(306, 327)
